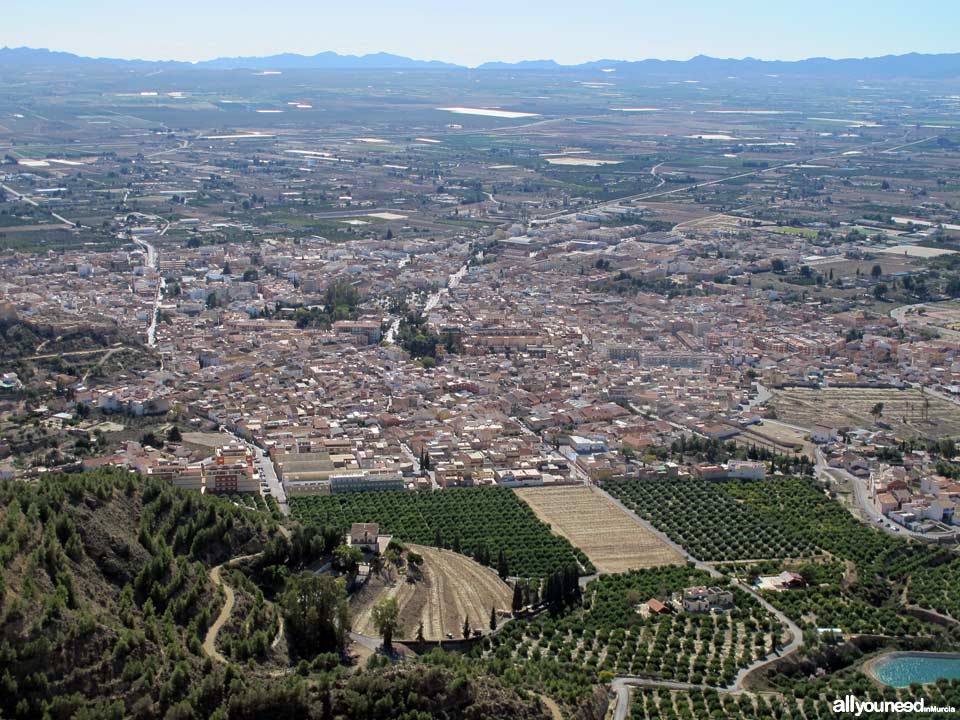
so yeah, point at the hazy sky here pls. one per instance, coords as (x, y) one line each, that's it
(473, 32)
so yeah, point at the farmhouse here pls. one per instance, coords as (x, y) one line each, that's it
(822, 434)
(703, 599)
(655, 607)
(778, 583)
(366, 536)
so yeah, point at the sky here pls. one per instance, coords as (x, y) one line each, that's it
(482, 30)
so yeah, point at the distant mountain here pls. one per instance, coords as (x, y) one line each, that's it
(40, 57)
(912, 65)
(30, 57)
(325, 61)
(524, 65)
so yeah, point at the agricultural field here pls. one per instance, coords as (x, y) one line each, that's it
(609, 633)
(857, 573)
(613, 540)
(479, 522)
(667, 704)
(449, 588)
(709, 522)
(909, 413)
(876, 566)
(937, 588)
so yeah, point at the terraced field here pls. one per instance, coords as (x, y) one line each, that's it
(452, 587)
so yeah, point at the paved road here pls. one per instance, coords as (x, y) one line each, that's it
(864, 504)
(273, 482)
(903, 317)
(371, 643)
(434, 485)
(30, 201)
(265, 464)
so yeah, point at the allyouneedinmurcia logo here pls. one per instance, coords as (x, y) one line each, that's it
(855, 707)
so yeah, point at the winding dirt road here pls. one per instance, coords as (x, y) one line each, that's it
(210, 641)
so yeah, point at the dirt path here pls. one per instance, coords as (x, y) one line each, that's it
(210, 640)
(551, 706)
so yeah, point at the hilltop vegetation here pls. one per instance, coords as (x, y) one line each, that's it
(105, 599)
(106, 592)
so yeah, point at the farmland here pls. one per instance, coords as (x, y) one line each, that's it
(479, 522)
(612, 540)
(449, 589)
(709, 522)
(909, 413)
(814, 699)
(937, 588)
(610, 634)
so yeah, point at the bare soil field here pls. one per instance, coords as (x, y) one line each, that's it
(452, 587)
(612, 540)
(776, 436)
(908, 413)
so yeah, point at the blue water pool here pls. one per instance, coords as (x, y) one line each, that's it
(903, 669)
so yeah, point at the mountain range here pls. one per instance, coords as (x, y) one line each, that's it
(911, 65)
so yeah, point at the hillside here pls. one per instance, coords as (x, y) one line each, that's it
(105, 599)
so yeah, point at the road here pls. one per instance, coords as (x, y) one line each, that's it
(30, 201)
(273, 482)
(763, 395)
(210, 641)
(153, 260)
(416, 465)
(269, 472)
(113, 348)
(864, 504)
(433, 300)
(900, 314)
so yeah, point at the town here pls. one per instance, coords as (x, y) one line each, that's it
(631, 395)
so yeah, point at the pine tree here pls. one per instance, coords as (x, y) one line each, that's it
(517, 603)
(503, 567)
(466, 628)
